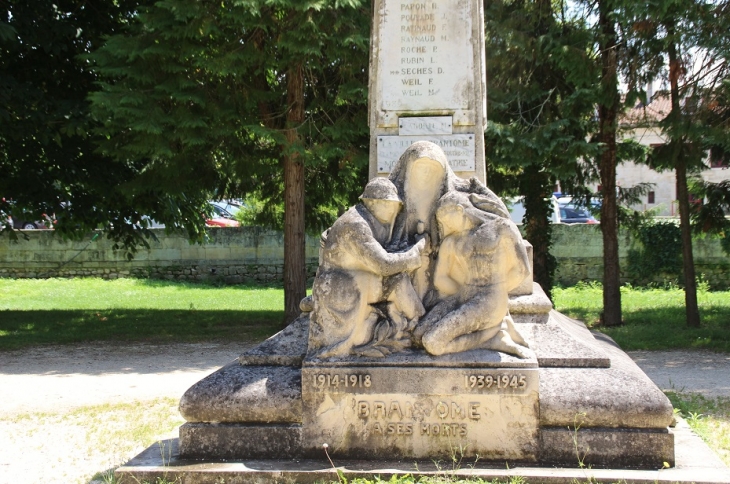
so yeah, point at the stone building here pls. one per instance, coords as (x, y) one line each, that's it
(641, 125)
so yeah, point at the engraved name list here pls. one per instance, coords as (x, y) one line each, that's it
(428, 62)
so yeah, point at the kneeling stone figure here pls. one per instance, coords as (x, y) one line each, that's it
(455, 253)
(357, 274)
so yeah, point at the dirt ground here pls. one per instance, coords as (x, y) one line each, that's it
(57, 379)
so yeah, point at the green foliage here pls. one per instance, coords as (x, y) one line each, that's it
(541, 100)
(660, 251)
(708, 417)
(49, 163)
(711, 217)
(197, 90)
(130, 109)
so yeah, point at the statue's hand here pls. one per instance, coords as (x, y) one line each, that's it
(426, 249)
(420, 246)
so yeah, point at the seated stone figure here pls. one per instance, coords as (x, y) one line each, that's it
(480, 259)
(356, 275)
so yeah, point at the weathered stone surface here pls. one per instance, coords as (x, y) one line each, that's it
(479, 358)
(253, 394)
(236, 441)
(526, 286)
(695, 463)
(564, 342)
(530, 308)
(426, 260)
(640, 448)
(427, 59)
(615, 397)
(363, 294)
(421, 412)
(285, 348)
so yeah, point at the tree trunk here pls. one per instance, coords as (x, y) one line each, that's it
(688, 263)
(295, 276)
(538, 228)
(607, 113)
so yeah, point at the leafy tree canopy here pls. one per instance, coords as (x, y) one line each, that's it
(198, 91)
(113, 111)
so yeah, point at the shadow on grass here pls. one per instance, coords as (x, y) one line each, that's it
(213, 283)
(664, 328)
(19, 329)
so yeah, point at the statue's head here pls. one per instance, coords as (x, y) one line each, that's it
(453, 214)
(381, 199)
(422, 168)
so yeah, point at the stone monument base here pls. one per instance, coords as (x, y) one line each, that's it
(579, 401)
(695, 463)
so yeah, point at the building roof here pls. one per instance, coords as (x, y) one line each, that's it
(648, 114)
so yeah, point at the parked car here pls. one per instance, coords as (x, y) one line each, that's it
(227, 208)
(570, 214)
(21, 221)
(221, 216)
(516, 208)
(221, 222)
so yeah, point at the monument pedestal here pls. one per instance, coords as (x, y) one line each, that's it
(421, 412)
(580, 399)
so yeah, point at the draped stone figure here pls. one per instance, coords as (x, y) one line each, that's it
(359, 283)
(481, 258)
(427, 251)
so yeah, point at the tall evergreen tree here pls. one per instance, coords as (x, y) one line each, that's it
(540, 102)
(48, 158)
(241, 97)
(686, 37)
(608, 112)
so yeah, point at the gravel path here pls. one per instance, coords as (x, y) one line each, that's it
(702, 372)
(58, 379)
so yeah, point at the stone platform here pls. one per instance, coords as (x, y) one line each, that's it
(695, 463)
(580, 397)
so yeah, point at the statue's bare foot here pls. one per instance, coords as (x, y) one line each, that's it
(509, 325)
(503, 342)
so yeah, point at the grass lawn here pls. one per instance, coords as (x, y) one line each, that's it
(654, 319)
(43, 311)
(47, 311)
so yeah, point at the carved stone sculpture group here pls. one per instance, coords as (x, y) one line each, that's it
(425, 260)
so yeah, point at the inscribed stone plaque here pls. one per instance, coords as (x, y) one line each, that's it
(459, 150)
(427, 59)
(391, 412)
(425, 125)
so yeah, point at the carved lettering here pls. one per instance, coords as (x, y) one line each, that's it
(457, 411)
(442, 410)
(495, 382)
(363, 409)
(342, 382)
(474, 411)
(444, 430)
(395, 408)
(412, 6)
(379, 408)
(393, 429)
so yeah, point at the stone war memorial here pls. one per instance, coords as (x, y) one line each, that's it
(425, 338)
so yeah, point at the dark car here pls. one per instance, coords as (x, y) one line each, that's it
(21, 221)
(570, 214)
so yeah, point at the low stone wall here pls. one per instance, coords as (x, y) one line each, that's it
(231, 255)
(251, 254)
(579, 251)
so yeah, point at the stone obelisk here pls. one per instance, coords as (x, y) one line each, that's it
(428, 82)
